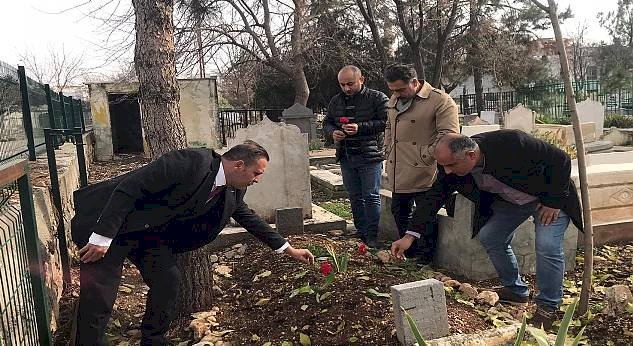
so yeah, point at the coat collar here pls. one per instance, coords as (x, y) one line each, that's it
(362, 91)
(423, 92)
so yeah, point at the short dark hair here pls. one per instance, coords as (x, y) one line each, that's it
(460, 144)
(249, 152)
(398, 71)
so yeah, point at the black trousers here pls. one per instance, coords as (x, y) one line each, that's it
(100, 283)
(422, 220)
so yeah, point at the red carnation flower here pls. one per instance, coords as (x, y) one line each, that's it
(362, 248)
(326, 268)
(344, 120)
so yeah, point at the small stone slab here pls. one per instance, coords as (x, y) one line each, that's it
(425, 301)
(289, 220)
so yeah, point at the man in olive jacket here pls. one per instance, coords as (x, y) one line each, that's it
(511, 176)
(418, 116)
(177, 203)
(356, 122)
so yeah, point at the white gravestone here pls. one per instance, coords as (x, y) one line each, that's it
(520, 118)
(592, 111)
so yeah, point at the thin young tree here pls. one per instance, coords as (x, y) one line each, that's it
(552, 10)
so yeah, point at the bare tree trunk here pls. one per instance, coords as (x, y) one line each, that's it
(474, 55)
(580, 149)
(367, 10)
(154, 59)
(196, 287)
(418, 62)
(302, 92)
(442, 39)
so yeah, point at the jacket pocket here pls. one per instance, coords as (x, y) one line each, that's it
(425, 156)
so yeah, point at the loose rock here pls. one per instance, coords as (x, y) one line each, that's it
(488, 297)
(617, 298)
(199, 328)
(452, 283)
(384, 256)
(468, 290)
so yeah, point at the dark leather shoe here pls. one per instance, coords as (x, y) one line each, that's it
(507, 296)
(544, 317)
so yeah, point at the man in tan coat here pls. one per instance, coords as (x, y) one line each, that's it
(418, 115)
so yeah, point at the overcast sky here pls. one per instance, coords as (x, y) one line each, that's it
(35, 25)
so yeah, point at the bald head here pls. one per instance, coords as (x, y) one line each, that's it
(350, 68)
(350, 79)
(458, 154)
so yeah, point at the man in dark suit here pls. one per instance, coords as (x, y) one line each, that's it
(511, 176)
(177, 203)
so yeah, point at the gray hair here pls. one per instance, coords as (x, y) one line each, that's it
(459, 145)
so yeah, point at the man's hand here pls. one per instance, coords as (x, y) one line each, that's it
(350, 129)
(547, 215)
(92, 253)
(301, 255)
(398, 247)
(338, 135)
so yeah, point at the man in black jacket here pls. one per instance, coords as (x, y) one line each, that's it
(177, 203)
(511, 176)
(356, 122)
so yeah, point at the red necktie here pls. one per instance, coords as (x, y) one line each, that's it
(214, 192)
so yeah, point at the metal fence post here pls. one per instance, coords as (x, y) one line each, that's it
(35, 268)
(81, 157)
(26, 113)
(62, 105)
(81, 116)
(49, 103)
(57, 201)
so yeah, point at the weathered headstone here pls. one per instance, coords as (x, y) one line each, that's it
(286, 181)
(520, 118)
(592, 111)
(475, 129)
(489, 116)
(425, 301)
(470, 120)
(301, 116)
(289, 220)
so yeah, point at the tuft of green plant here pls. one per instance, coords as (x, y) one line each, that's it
(317, 250)
(618, 120)
(545, 119)
(341, 209)
(340, 261)
(561, 337)
(414, 328)
(315, 144)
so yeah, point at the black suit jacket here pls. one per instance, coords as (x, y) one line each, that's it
(169, 196)
(526, 164)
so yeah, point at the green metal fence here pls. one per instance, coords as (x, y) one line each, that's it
(549, 100)
(27, 108)
(23, 303)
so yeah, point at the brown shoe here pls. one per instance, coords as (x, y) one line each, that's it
(544, 316)
(509, 297)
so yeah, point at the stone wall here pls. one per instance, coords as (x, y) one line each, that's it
(46, 214)
(198, 111)
(458, 252)
(610, 179)
(618, 136)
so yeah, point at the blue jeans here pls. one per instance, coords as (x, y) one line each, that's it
(362, 181)
(496, 236)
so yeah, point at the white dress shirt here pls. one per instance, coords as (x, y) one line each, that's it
(220, 180)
